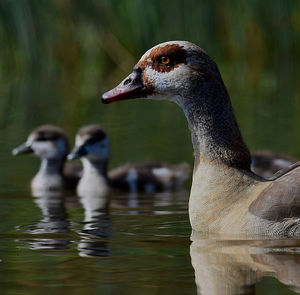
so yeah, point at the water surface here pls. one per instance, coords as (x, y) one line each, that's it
(131, 244)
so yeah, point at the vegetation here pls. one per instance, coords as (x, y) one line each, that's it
(57, 57)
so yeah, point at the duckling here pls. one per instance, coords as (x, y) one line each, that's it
(50, 144)
(92, 147)
(226, 196)
(267, 163)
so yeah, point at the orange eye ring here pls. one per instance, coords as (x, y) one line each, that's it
(165, 60)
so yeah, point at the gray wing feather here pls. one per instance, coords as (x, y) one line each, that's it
(281, 199)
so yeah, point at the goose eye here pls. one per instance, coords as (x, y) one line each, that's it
(165, 60)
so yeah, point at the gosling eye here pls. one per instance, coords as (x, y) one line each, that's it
(165, 60)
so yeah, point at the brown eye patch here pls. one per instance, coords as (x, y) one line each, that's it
(165, 58)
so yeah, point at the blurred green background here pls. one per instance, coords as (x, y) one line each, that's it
(57, 57)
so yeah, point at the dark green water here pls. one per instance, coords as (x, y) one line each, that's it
(56, 58)
(130, 245)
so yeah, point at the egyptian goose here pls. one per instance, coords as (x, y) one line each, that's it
(49, 143)
(226, 196)
(92, 147)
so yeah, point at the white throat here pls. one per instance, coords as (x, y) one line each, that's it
(94, 179)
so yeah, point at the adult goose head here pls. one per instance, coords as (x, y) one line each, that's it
(226, 196)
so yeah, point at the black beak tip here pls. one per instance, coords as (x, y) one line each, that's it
(104, 100)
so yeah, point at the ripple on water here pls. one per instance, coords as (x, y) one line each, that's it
(143, 249)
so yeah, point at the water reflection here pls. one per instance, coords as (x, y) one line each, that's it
(148, 251)
(54, 221)
(54, 215)
(150, 203)
(236, 266)
(93, 230)
(96, 232)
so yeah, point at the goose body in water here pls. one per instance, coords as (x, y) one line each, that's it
(226, 196)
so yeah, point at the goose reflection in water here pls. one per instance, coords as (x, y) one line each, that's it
(150, 203)
(54, 221)
(96, 232)
(236, 266)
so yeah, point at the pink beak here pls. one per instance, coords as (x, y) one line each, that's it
(131, 87)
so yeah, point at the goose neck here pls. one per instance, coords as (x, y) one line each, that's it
(51, 166)
(95, 167)
(215, 132)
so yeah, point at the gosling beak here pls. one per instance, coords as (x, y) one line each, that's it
(131, 87)
(77, 152)
(22, 149)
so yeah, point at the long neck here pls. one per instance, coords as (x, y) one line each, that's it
(215, 132)
(51, 166)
